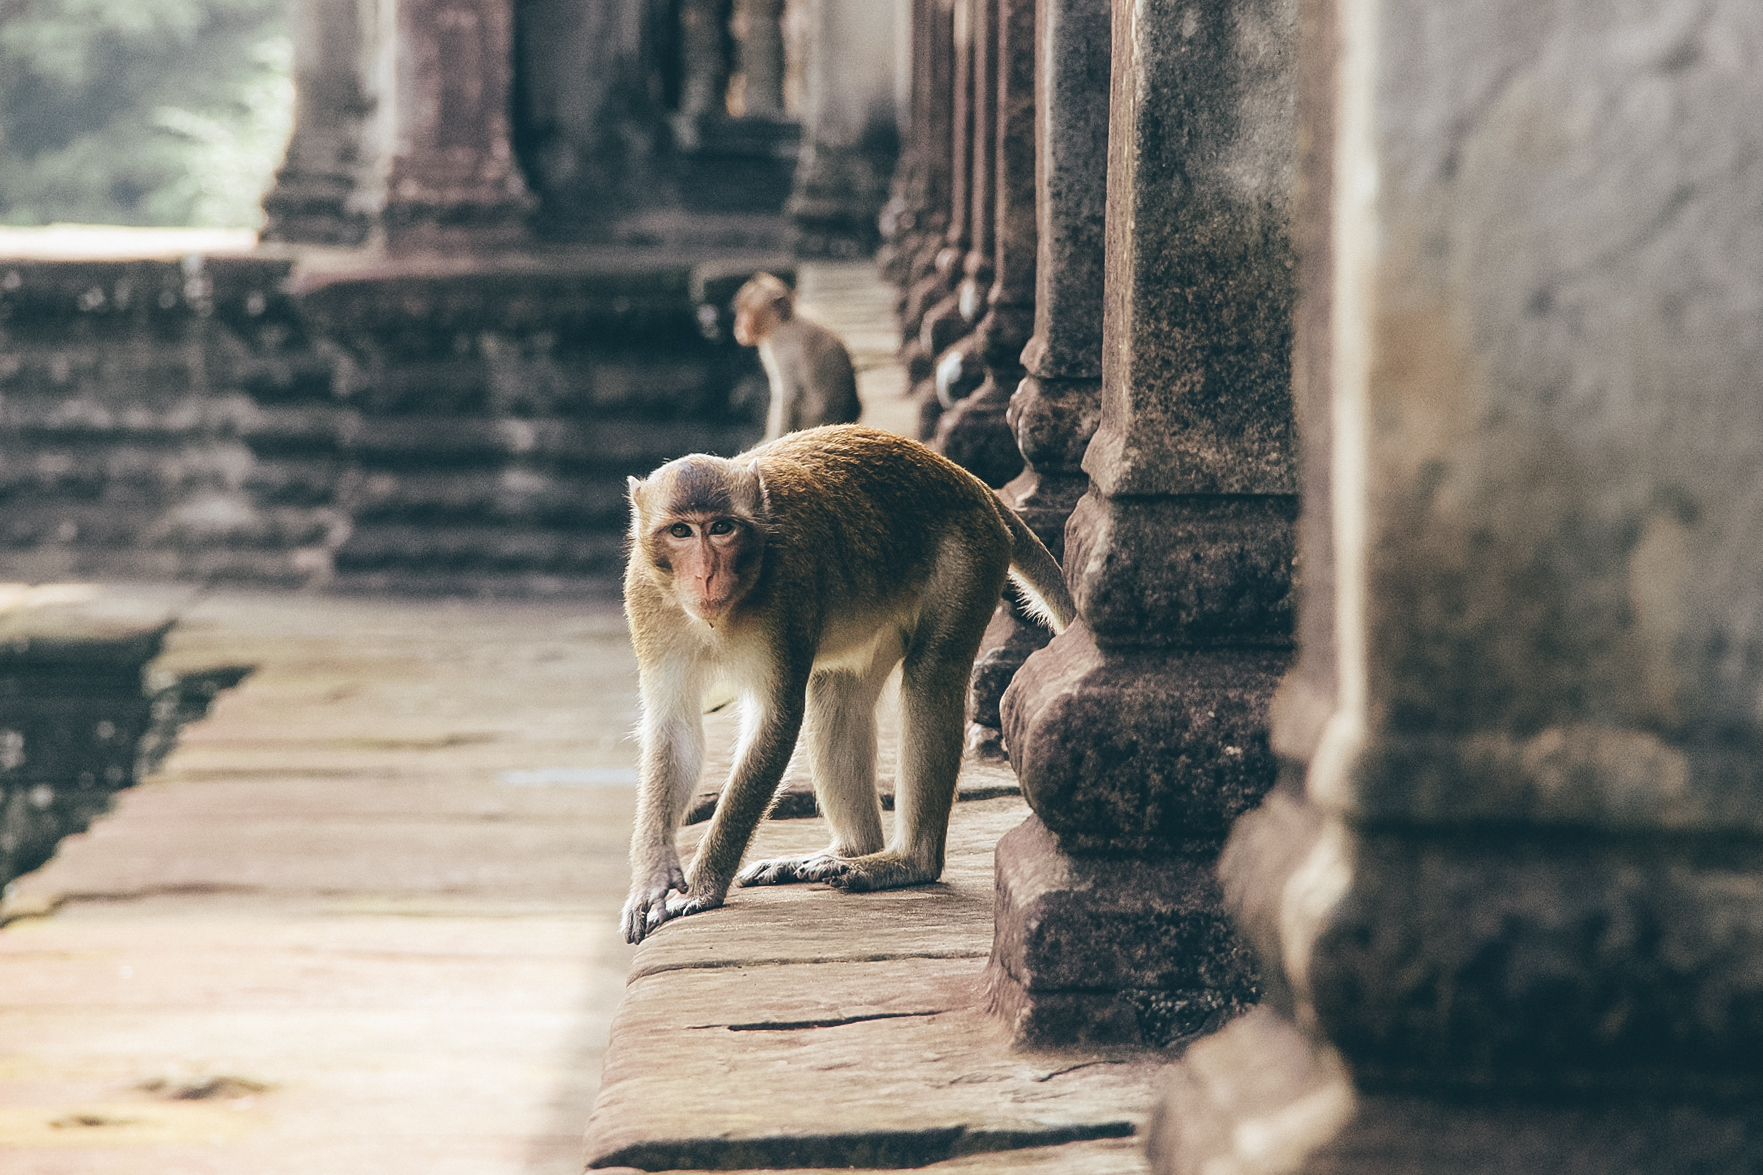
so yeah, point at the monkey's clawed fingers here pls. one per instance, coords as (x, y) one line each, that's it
(679, 905)
(646, 908)
(643, 914)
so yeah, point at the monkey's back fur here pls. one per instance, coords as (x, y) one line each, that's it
(844, 487)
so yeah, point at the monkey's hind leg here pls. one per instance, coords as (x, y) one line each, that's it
(938, 663)
(840, 733)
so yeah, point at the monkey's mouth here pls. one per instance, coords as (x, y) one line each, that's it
(712, 611)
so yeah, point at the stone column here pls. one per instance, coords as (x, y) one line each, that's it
(1056, 405)
(1141, 733)
(981, 196)
(761, 53)
(849, 127)
(315, 198)
(444, 76)
(917, 212)
(975, 433)
(947, 331)
(1514, 891)
(704, 69)
(932, 295)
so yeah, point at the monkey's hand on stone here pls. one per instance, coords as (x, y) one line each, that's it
(647, 906)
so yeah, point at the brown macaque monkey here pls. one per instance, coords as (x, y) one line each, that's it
(799, 574)
(812, 380)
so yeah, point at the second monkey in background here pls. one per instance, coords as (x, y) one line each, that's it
(812, 380)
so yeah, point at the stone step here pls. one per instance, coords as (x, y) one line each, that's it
(510, 495)
(132, 476)
(451, 549)
(610, 446)
(60, 413)
(217, 521)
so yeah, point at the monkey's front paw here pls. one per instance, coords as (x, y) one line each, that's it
(646, 908)
(679, 905)
(785, 870)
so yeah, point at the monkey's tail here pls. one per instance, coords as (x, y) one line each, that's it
(1037, 575)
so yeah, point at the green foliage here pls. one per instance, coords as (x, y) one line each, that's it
(169, 112)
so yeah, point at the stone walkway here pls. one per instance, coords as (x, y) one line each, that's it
(365, 920)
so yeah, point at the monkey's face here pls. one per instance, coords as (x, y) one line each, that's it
(714, 561)
(700, 521)
(747, 329)
(760, 305)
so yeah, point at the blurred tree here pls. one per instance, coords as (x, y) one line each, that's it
(170, 112)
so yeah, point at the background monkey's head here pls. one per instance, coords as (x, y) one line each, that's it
(760, 304)
(700, 523)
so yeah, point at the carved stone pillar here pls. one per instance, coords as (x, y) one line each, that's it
(931, 301)
(850, 134)
(761, 55)
(917, 213)
(976, 267)
(1511, 889)
(316, 196)
(975, 433)
(450, 175)
(948, 330)
(704, 69)
(1056, 405)
(1141, 733)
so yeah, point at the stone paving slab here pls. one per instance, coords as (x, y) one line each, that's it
(875, 1000)
(326, 936)
(851, 298)
(881, 1064)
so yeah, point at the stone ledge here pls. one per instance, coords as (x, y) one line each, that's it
(1106, 1156)
(875, 999)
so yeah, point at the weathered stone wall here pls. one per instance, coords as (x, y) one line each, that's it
(419, 424)
(163, 419)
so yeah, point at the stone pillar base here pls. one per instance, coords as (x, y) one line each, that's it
(975, 435)
(443, 223)
(1141, 751)
(313, 210)
(1261, 1098)
(1108, 950)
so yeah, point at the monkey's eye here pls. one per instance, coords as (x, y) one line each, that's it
(680, 530)
(722, 526)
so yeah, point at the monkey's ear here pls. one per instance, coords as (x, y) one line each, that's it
(764, 494)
